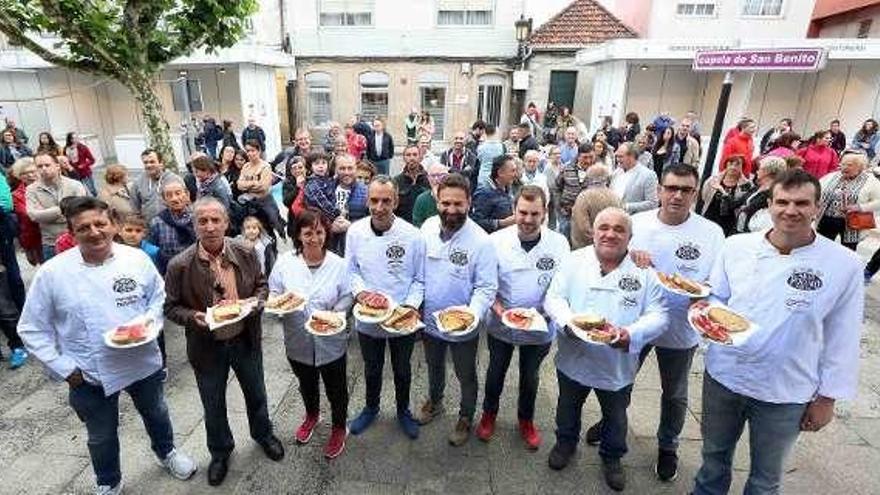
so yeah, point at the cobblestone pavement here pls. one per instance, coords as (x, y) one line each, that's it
(43, 445)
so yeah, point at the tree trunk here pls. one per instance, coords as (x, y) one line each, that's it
(151, 109)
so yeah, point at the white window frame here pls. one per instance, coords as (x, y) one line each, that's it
(346, 12)
(318, 82)
(780, 15)
(465, 11)
(695, 3)
(494, 80)
(377, 89)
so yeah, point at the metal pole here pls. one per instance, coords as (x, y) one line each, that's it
(717, 127)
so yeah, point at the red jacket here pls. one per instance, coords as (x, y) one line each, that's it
(740, 144)
(357, 144)
(28, 230)
(64, 242)
(819, 159)
(85, 160)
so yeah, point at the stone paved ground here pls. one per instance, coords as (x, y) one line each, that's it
(42, 444)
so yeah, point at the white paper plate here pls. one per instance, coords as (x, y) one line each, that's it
(736, 339)
(583, 335)
(247, 307)
(374, 319)
(466, 331)
(415, 328)
(705, 290)
(282, 312)
(308, 327)
(539, 324)
(153, 331)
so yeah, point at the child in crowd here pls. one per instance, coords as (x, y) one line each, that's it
(321, 185)
(254, 235)
(133, 232)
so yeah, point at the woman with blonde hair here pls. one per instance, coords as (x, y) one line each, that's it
(845, 193)
(116, 192)
(25, 172)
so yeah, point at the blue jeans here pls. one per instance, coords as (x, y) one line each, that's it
(101, 416)
(564, 224)
(89, 182)
(773, 430)
(373, 352)
(612, 443)
(674, 365)
(530, 359)
(48, 252)
(247, 362)
(382, 166)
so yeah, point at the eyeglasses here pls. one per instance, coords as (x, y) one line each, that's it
(437, 176)
(685, 190)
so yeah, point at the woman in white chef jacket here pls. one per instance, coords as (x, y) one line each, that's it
(321, 276)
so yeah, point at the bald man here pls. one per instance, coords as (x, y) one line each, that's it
(426, 202)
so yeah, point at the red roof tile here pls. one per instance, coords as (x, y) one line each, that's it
(582, 23)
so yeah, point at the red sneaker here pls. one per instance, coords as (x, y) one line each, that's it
(336, 444)
(305, 430)
(529, 434)
(486, 428)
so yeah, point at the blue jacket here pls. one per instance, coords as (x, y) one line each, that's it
(490, 205)
(152, 251)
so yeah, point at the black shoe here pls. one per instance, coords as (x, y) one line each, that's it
(614, 475)
(560, 456)
(667, 465)
(217, 470)
(594, 434)
(273, 448)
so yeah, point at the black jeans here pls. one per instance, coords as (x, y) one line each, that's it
(831, 227)
(9, 330)
(874, 264)
(674, 365)
(530, 359)
(464, 361)
(247, 362)
(612, 443)
(335, 386)
(373, 352)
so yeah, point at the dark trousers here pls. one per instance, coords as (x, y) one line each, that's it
(530, 359)
(12, 338)
(211, 378)
(335, 386)
(161, 340)
(874, 264)
(101, 416)
(464, 361)
(373, 352)
(674, 366)
(612, 443)
(831, 227)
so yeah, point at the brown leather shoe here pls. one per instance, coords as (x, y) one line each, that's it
(461, 433)
(428, 412)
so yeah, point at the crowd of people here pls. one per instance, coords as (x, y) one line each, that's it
(549, 219)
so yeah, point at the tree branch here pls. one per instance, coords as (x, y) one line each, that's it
(16, 35)
(52, 10)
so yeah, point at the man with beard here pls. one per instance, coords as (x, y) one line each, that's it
(602, 281)
(75, 298)
(411, 182)
(570, 182)
(528, 256)
(387, 255)
(806, 293)
(674, 240)
(460, 159)
(217, 269)
(460, 270)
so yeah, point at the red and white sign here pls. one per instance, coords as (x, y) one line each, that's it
(773, 59)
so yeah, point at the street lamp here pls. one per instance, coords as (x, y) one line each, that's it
(523, 28)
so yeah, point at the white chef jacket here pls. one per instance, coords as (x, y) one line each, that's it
(459, 272)
(392, 263)
(628, 297)
(689, 249)
(327, 289)
(523, 279)
(71, 304)
(808, 306)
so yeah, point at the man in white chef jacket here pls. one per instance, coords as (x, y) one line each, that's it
(602, 280)
(386, 254)
(805, 294)
(528, 257)
(674, 240)
(73, 300)
(460, 270)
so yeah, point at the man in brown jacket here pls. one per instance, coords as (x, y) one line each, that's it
(213, 269)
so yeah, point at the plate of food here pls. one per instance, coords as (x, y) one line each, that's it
(593, 329)
(719, 324)
(135, 333)
(283, 304)
(527, 319)
(372, 307)
(403, 320)
(226, 313)
(325, 323)
(683, 286)
(456, 320)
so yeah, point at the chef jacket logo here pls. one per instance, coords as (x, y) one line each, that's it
(124, 284)
(628, 302)
(545, 263)
(805, 279)
(629, 283)
(688, 251)
(458, 257)
(544, 279)
(395, 252)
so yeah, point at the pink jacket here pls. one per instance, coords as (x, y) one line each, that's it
(819, 160)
